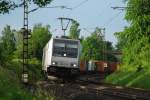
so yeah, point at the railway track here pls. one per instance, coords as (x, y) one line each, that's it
(115, 92)
(124, 95)
(86, 89)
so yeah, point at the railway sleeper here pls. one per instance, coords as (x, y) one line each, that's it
(124, 95)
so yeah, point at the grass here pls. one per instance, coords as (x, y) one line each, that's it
(130, 79)
(10, 88)
(42, 94)
(10, 84)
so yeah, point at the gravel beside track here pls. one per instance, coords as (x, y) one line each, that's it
(83, 89)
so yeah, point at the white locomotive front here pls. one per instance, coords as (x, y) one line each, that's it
(61, 55)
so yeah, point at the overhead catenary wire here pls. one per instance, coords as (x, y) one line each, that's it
(62, 7)
(77, 6)
(86, 30)
(119, 8)
(12, 7)
(80, 4)
(116, 8)
(112, 18)
(103, 11)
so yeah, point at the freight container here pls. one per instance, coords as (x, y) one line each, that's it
(112, 66)
(83, 66)
(100, 66)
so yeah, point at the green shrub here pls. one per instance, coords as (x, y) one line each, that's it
(10, 87)
(130, 79)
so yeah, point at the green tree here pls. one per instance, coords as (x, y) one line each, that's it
(19, 45)
(136, 37)
(74, 32)
(7, 5)
(1, 54)
(40, 36)
(96, 48)
(91, 47)
(109, 52)
(121, 41)
(8, 44)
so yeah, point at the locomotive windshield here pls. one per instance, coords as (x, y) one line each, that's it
(65, 48)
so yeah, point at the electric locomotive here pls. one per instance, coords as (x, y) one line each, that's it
(61, 56)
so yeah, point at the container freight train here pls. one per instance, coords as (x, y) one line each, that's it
(95, 66)
(61, 56)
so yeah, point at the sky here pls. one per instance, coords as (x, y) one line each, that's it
(89, 13)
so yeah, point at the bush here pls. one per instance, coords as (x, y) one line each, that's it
(130, 79)
(10, 88)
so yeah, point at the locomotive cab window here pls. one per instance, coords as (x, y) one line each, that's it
(72, 50)
(65, 48)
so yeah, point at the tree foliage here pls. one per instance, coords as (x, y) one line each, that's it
(7, 44)
(40, 36)
(19, 45)
(74, 32)
(135, 39)
(7, 5)
(94, 47)
(42, 3)
(1, 54)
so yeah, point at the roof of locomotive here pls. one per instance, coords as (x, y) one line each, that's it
(61, 38)
(64, 38)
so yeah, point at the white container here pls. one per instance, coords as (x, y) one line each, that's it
(91, 66)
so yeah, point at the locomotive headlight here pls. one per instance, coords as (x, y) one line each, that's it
(74, 65)
(53, 63)
(65, 54)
